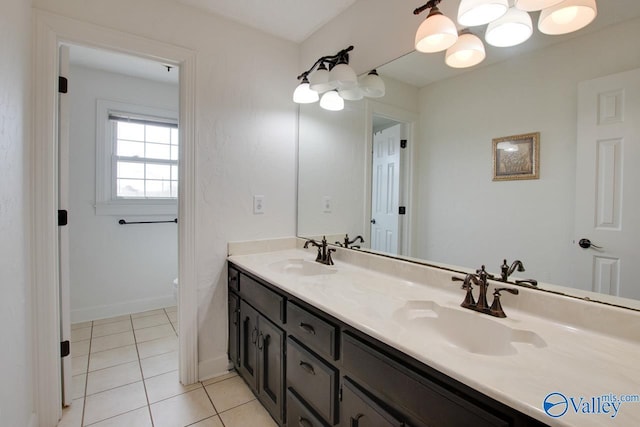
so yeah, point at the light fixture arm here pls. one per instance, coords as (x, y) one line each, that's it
(428, 5)
(331, 60)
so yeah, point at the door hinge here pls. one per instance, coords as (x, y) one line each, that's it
(63, 217)
(403, 143)
(402, 210)
(63, 84)
(65, 348)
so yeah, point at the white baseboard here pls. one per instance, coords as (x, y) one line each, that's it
(127, 307)
(213, 367)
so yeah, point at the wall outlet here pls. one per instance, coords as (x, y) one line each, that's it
(326, 204)
(258, 205)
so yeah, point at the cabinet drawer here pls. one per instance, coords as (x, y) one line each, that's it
(265, 300)
(313, 379)
(361, 410)
(298, 415)
(313, 331)
(233, 279)
(424, 400)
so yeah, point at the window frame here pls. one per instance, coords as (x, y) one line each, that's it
(106, 202)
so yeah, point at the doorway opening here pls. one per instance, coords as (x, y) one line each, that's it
(118, 128)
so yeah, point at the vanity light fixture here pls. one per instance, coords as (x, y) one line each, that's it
(567, 16)
(332, 101)
(472, 13)
(534, 5)
(437, 32)
(466, 52)
(513, 28)
(336, 80)
(509, 24)
(303, 93)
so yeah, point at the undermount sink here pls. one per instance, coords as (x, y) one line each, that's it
(468, 330)
(301, 267)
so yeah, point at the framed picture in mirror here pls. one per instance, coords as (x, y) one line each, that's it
(516, 157)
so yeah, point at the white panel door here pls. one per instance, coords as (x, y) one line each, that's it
(607, 180)
(385, 220)
(63, 232)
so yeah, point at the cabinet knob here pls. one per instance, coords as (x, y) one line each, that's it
(303, 422)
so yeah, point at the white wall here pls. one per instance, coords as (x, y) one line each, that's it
(16, 384)
(245, 136)
(114, 269)
(465, 218)
(331, 142)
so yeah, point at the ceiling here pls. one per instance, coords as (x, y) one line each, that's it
(122, 64)
(293, 20)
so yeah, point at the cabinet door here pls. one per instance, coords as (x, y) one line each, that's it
(271, 367)
(359, 410)
(248, 349)
(234, 329)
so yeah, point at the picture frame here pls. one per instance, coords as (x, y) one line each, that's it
(516, 157)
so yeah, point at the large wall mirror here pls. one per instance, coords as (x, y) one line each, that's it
(569, 89)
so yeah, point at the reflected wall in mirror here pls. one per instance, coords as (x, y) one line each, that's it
(456, 214)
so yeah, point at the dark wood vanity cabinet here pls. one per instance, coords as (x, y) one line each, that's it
(260, 348)
(311, 370)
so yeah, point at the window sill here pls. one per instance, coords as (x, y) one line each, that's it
(138, 207)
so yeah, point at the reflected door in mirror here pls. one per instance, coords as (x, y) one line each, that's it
(608, 126)
(385, 190)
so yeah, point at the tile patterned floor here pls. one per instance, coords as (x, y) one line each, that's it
(125, 375)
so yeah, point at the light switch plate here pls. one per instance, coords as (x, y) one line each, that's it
(258, 205)
(326, 204)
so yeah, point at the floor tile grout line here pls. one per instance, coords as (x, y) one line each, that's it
(86, 379)
(144, 384)
(117, 415)
(212, 404)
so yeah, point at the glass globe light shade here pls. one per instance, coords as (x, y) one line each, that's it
(319, 80)
(513, 28)
(534, 5)
(342, 76)
(480, 12)
(303, 93)
(467, 52)
(372, 85)
(332, 101)
(436, 33)
(567, 16)
(353, 94)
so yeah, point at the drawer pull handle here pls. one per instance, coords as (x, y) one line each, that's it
(303, 422)
(307, 328)
(356, 421)
(307, 367)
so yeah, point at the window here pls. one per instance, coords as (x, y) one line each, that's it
(136, 160)
(145, 157)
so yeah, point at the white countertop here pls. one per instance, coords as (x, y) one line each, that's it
(575, 361)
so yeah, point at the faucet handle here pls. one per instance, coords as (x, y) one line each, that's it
(329, 261)
(496, 307)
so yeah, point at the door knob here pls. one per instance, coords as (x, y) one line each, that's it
(586, 244)
(373, 221)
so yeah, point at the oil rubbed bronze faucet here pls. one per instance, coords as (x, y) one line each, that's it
(506, 271)
(324, 253)
(480, 280)
(349, 243)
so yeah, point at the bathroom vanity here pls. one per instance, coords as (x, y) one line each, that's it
(372, 341)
